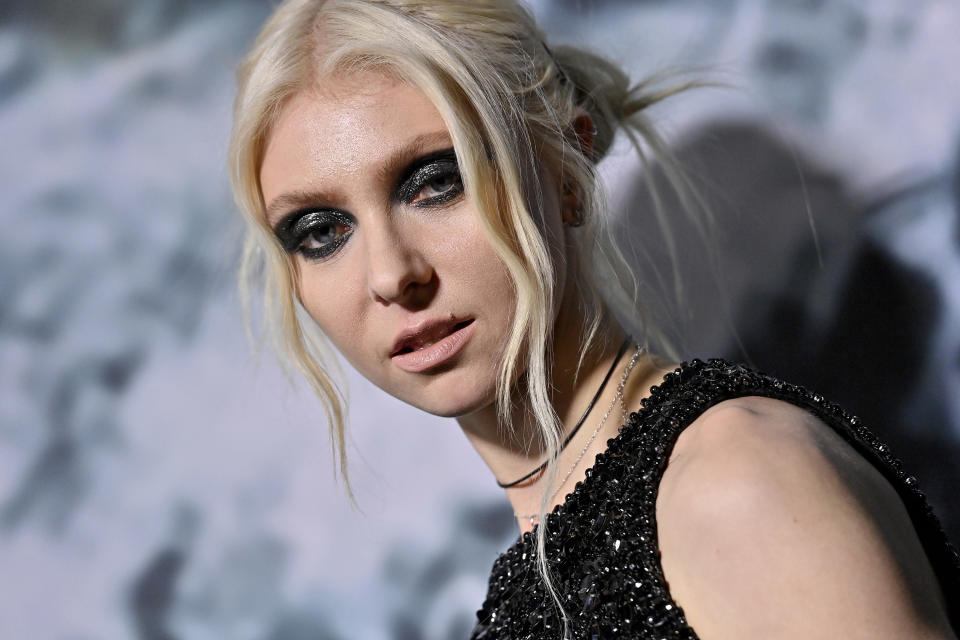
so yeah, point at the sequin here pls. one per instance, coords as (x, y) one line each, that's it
(601, 542)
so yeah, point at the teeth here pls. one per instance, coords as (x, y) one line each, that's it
(425, 345)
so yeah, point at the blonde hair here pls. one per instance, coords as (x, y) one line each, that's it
(508, 102)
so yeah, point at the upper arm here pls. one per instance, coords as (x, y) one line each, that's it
(771, 526)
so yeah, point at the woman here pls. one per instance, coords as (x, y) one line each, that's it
(419, 182)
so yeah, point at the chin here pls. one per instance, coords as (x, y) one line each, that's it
(452, 400)
(455, 408)
(455, 411)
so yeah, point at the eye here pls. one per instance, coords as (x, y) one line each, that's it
(323, 235)
(432, 180)
(442, 188)
(315, 234)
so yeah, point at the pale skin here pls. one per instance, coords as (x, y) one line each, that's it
(750, 478)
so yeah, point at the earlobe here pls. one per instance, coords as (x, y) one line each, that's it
(571, 211)
(573, 217)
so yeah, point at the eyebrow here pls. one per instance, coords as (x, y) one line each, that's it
(292, 200)
(399, 158)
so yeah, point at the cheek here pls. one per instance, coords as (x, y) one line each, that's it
(334, 299)
(476, 276)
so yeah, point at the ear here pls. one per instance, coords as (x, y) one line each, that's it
(584, 132)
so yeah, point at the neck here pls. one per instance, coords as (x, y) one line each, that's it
(512, 455)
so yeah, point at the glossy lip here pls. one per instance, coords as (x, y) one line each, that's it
(443, 349)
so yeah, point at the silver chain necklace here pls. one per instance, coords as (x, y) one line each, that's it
(618, 398)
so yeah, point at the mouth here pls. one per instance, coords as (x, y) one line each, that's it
(427, 337)
(431, 345)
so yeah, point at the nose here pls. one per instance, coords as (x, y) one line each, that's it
(397, 270)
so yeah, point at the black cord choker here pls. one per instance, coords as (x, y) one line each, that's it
(583, 418)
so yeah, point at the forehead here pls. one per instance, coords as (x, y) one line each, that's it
(343, 126)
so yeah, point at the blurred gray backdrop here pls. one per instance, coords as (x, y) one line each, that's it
(158, 480)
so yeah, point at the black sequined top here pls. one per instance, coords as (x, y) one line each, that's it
(602, 541)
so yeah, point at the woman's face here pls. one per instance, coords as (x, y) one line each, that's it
(362, 187)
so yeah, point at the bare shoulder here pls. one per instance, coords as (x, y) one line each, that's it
(771, 525)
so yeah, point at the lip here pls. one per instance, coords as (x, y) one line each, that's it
(452, 336)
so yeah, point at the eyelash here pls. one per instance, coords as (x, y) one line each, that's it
(297, 229)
